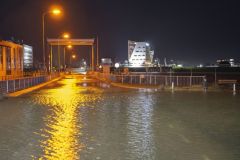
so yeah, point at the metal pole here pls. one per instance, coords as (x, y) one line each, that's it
(155, 80)
(58, 57)
(64, 54)
(92, 58)
(97, 52)
(150, 79)
(177, 80)
(14, 85)
(51, 58)
(43, 38)
(215, 76)
(191, 78)
(7, 86)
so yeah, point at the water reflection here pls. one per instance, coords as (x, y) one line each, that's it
(140, 139)
(63, 127)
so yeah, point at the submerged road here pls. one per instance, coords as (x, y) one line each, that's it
(80, 118)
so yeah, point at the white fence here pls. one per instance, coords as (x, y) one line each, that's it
(9, 86)
(165, 80)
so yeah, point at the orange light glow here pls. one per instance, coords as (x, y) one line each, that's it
(66, 35)
(56, 11)
(73, 56)
(69, 46)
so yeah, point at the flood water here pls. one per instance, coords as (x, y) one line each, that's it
(76, 118)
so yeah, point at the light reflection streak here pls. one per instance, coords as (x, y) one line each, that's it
(62, 131)
(140, 136)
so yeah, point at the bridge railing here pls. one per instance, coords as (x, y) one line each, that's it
(13, 85)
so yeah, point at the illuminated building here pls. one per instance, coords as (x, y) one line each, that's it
(14, 58)
(139, 54)
(27, 57)
(11, 59)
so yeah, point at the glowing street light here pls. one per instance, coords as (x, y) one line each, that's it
(69, 46)
(64, 53)
(72, 57)
(56, 12)
(66, 36)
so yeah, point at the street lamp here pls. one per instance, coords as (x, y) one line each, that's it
(55, 12)
(72, 57)
(64, 36)
(64, 54)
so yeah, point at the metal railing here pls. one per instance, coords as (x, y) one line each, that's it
(24, 74)
(13, 85)
(165, 80)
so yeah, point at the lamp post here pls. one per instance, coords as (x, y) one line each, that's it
(64, 54)
(55, 11)
(64, 36)
(72, 57)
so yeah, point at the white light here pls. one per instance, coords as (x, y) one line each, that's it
(117, 65)
(147, 44)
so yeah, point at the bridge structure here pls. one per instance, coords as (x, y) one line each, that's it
(73, 42)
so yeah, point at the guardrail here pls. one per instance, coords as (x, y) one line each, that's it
(13, 85)
(165, 80)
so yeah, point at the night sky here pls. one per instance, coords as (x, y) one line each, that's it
(190, 31)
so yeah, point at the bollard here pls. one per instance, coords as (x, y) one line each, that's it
(172, 86)
(234, 88)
